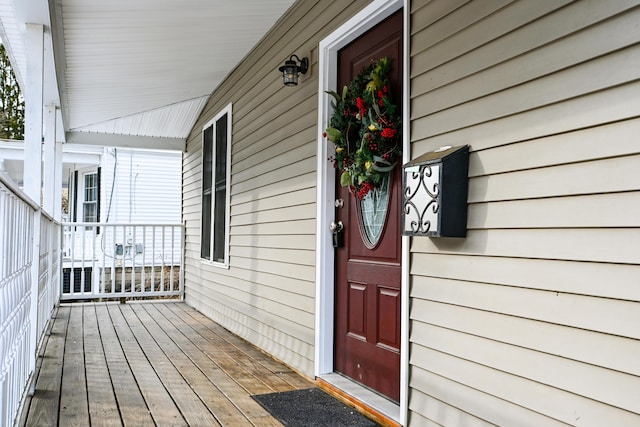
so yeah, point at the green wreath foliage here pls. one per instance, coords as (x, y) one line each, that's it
(365, 128)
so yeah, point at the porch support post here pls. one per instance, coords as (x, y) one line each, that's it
(57, 190)
(34, 100)
(51, 198)
(50, 160)
(57, 216)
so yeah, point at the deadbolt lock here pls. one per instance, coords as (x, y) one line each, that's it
(336, 227)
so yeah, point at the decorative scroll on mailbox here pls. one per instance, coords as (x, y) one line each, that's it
(435, 187)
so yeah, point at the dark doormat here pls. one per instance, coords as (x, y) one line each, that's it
(311, 407)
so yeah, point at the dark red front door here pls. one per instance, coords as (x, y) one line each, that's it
(368, 275)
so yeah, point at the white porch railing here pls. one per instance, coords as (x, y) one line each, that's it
(29, 290)
(104, 260)
(97, 261)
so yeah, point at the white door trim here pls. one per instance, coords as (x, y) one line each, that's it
(366, 19)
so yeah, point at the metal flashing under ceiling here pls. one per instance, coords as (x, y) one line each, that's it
(140, 70)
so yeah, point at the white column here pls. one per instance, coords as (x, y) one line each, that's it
(57, 193)
(33, 98)
(49, 165)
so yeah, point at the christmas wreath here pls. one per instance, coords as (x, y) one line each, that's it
(365, 130)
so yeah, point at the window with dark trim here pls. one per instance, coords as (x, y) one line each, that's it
(216, 155)
(90, 206)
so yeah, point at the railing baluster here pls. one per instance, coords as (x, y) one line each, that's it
(94, 285)
(72, 277)
(143, 280)
(173, 231)
(82, 261)
(135, 259)
(112, 249)
(162, 270)
(103, 262)
(153, 260)
(182, 240)
(121, 264)
(25, 288)
(120, 270)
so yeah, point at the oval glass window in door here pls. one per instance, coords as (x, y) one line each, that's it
(372, 213)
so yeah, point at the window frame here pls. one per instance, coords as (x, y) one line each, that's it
(96, 190)
(212, 191)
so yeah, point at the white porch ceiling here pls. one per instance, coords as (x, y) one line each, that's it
(139, 68)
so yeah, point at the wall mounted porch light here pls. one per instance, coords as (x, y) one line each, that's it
(292, 68)
(435, 187)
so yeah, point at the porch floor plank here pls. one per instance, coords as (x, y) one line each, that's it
(132, 406)
(103, 409)
(209, 382)
(164, 409)
(163, 358)
(207, 353)
(188, 404)
(46, 400)
(227, 358)
(151, 363)
(74, 405)
(251, 353)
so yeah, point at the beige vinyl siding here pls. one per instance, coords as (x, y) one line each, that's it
(267, 295)
(534, 318)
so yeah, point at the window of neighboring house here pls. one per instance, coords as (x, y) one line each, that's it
(90, 203)
(216, 161)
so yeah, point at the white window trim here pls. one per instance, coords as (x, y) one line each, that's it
(227, 216)
(78, 186)
(83, 188)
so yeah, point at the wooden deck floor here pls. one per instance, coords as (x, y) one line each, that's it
(145, 364)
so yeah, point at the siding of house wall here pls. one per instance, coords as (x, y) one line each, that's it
(147, 186)
(534, 318)
(267, 294)
(147, 190)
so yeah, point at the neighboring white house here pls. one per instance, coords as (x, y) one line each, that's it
(125, 186)
(106, 184)
(128, 187)
(133, 191)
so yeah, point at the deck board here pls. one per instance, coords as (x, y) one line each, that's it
(253, 354)
(166, 359)
(103, 409)
(145, 364)
(204, 374)
(250, 357)
(74, 405)
(159, 402)
(46, 401)
(207, 352)
(132, 406)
